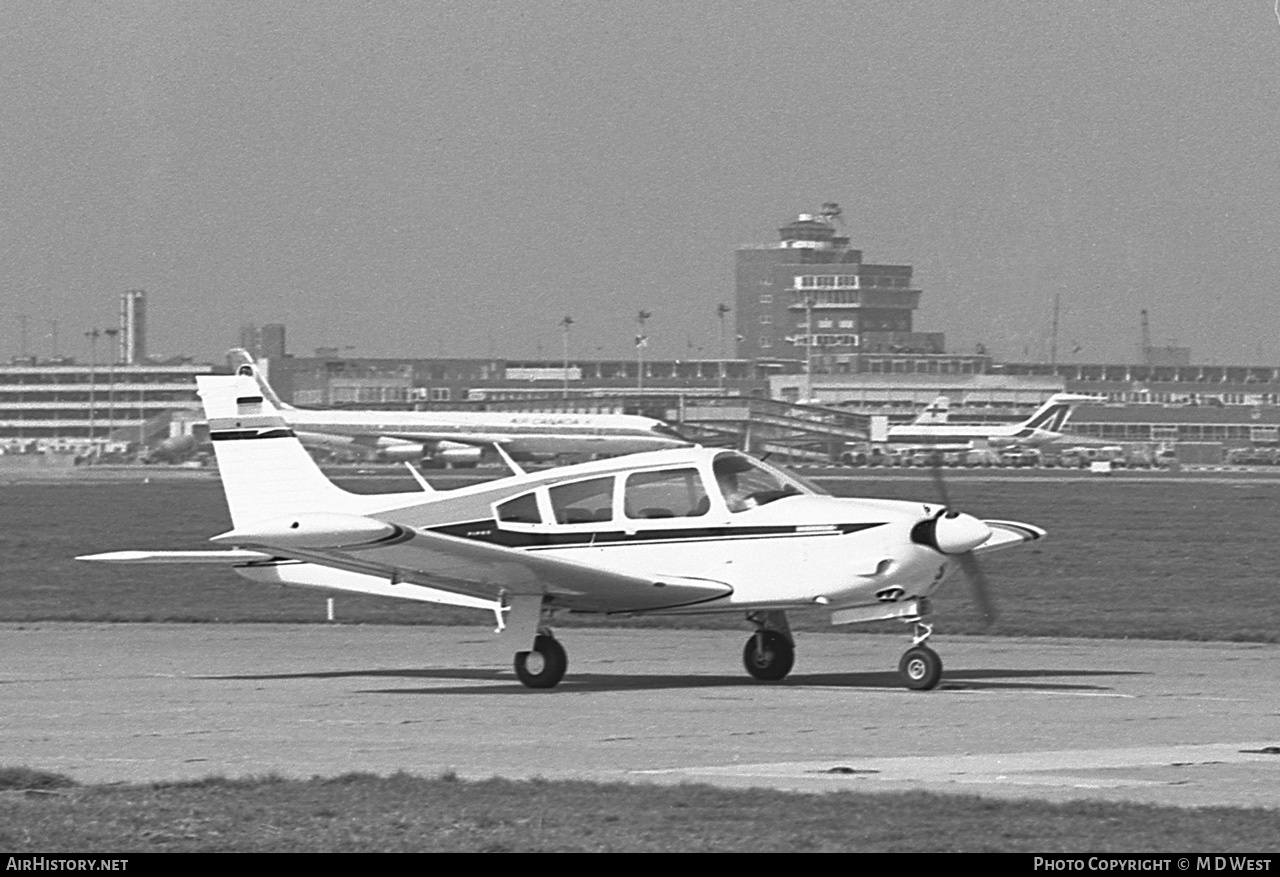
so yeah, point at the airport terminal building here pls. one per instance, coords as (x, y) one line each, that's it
(822, 336)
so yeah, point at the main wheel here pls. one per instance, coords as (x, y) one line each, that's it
(921, 668)
(769, 655)
(544, 666)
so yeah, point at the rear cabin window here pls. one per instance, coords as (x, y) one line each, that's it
(583, 502)
(675, 493)
(521, 510)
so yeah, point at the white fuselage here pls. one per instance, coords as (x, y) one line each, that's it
(801, 550)
(815, 565)
(529, 433)
(969, 436)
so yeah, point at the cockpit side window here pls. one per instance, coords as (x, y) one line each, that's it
(673, 493)
(583, 502)
(521, 510)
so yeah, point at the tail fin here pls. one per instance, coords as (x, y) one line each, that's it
(245, 365)
(1053, 415)
(936, 411)
(265, 471)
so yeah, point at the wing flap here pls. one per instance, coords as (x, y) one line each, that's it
(310, 575)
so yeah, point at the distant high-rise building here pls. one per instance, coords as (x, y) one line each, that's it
(133, 327)
(811, 294)
(250, 338)
(271, 341)
(265, 342)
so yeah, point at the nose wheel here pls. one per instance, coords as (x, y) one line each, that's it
(921, 668)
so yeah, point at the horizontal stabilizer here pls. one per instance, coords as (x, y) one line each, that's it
(235, 555)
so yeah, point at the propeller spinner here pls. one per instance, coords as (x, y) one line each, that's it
(951, 532)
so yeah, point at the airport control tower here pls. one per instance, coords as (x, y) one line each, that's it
(811, 294)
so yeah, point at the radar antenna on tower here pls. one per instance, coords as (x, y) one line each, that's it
(831, 213)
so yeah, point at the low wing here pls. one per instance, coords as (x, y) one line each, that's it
(1007, 534)
(401, 554)
(262, 567)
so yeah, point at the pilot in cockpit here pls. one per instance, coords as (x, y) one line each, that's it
(735, 497)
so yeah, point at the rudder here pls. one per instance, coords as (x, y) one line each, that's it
(266, 473)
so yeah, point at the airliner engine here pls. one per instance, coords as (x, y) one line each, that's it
(402, 452)
(446, 453)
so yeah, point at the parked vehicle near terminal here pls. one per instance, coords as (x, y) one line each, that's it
(1020, 457)
(1254, 456)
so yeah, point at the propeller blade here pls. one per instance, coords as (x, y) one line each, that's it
(979, 585)
(940, 483)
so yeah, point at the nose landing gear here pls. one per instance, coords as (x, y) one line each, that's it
(920, 667)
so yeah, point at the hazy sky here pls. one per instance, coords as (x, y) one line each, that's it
(421, 179)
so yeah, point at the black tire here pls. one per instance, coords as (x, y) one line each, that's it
(769, 656)
(921, 668)
(549, 663)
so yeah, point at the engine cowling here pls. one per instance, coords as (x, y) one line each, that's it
(455, 454)
(403, 452)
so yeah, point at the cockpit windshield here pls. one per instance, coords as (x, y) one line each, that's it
(746, 483)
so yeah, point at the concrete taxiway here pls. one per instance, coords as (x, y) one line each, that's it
(1187, 724)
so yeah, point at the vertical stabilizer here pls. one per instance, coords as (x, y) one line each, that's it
(937, 411)
(1051, 417)
(245, 365)
(265, 471)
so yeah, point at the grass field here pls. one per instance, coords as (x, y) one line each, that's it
(1164, 560)
(401, 813)
(1173, 560)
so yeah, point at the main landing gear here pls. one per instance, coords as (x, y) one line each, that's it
(920, 667)
(544, 666)
(770, 653)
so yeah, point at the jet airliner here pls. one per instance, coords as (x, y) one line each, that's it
(1045, 425)
(459, 437)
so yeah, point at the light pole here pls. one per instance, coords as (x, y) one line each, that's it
(92, 335)
(642, 341)
(142, 416)
(808, 348)
(565, 324)
(722, 310)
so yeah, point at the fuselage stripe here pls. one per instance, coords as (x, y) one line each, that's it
(488, 531)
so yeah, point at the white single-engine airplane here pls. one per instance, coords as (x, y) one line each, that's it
(682, 531)
(459, 437)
